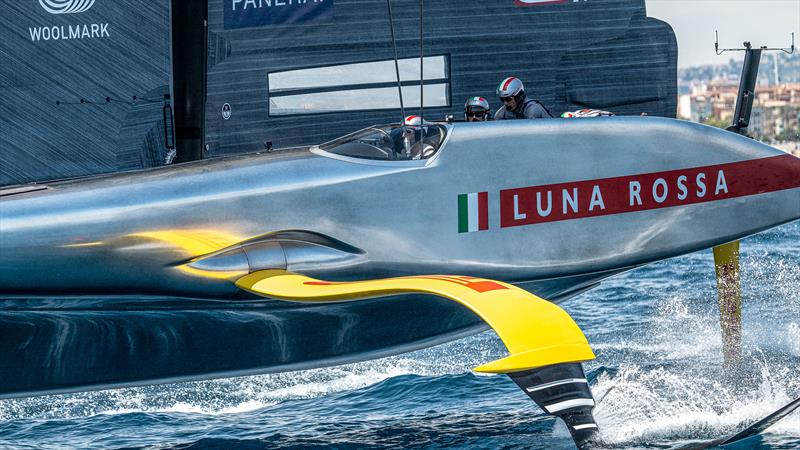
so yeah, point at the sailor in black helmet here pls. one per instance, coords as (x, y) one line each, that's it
(515, 104)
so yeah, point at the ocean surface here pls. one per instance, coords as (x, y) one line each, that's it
(658, 378)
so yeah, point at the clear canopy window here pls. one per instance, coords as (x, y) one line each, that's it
(390, 142)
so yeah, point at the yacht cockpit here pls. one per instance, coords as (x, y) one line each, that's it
(393, 142)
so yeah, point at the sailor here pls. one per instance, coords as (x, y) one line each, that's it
(413, 140)
(476, 110)
(515, 104)
(415, 121)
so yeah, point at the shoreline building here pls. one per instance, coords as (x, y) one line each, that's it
(775, 117)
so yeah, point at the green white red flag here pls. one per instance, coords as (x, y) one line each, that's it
(473, 212)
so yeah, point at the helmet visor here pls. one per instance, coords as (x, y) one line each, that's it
(476, 111)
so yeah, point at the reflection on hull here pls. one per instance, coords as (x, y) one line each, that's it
(75, 344)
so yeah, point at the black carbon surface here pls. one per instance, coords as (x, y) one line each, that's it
(602, 54)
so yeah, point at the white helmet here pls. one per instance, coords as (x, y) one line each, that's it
(511, 87)
(476, 106)
(587, 112)
(415, 121)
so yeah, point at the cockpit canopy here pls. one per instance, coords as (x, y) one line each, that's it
(393, 142)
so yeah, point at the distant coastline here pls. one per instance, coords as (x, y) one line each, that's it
(707, 94)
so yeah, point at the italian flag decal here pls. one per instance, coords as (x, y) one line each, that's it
(473, 212)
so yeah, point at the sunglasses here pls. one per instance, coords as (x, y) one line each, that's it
(476, 114)
(506, 99)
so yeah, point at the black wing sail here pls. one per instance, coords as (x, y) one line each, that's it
(117, 86)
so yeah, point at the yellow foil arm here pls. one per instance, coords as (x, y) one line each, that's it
(536, 332)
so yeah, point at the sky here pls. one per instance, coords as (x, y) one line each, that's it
(762, 22)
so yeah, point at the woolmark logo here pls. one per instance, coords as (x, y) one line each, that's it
(66, 6)
(68, 32)
(62, 33)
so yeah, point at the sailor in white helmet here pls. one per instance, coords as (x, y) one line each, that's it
(409, 140)
(515, 104)
(414, 121)
(476, 110)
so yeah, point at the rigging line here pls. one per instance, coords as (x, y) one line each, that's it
(396, 65)
(421, 61)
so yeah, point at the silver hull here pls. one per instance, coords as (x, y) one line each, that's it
(113, 239)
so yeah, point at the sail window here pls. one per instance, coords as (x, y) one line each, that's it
(358, 87)
(357, 100)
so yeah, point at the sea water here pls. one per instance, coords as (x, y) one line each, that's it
(658, 378)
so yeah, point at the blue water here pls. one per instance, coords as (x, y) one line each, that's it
(658, 377)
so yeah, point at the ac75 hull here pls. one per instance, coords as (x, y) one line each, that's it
(556, 205)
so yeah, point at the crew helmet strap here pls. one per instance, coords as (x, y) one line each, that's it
(520, 98)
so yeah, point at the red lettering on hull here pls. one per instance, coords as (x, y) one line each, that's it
(592, 198)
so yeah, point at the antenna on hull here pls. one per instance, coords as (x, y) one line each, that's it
(747, 84)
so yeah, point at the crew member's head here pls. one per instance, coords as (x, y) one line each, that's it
(414, 121)
(476, 109)
(511, 93)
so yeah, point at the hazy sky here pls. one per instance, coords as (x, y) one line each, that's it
(762, 22)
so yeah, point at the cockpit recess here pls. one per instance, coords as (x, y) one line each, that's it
(390, 142)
